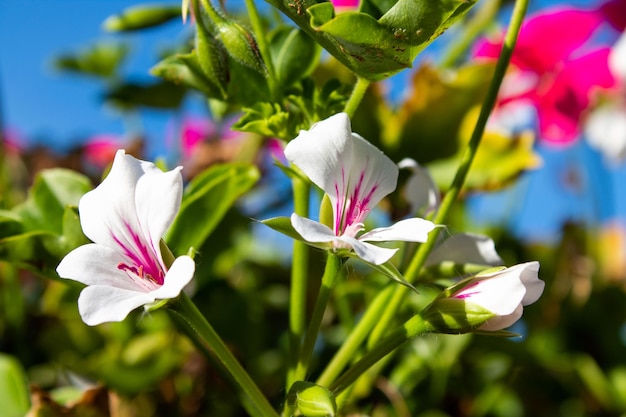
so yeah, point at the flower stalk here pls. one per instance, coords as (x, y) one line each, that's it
(191, 321)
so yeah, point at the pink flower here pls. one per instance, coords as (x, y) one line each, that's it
(100, 150)
(560, 73)
(345, 5)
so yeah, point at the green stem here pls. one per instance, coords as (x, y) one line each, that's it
(348, 349)
(259, 31)
(299, 280)
(382, 311)
(357, 95)
(331, 273)
(412, 328)
(187, 316)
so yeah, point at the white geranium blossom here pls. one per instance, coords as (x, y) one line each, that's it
(504, 293)
(356, 176)
(125, 218)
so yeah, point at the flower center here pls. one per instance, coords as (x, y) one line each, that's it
(142, 273)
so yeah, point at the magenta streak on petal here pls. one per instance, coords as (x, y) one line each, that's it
(464, 293)
(340, 201)
(144, 262)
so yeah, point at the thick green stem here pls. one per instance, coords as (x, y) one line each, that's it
(299, 280)
(412, 328)
(331, 273)
(259, 31)
(357, 96)
(187, 316)
(386, 312)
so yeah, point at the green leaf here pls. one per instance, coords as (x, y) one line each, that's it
(372, 45)
(294, 54)
(266, 119)
(13, 387)
(101, 60)
(160, 95)
(184, 69)
(207, 198)
(373, 49)
(141, 17)
(10, 223)
(52, 191)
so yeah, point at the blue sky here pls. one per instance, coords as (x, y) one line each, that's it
(40, 102)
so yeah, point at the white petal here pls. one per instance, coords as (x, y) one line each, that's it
(177, 277)
(529, 275)
(408, 230)
(312, 231)
(372, 174)
(94, 264)
(605, 130)
(617, 58)
(100, 304)
(502, 322)
(343, 164)
(420, 190)
(319, 150)
(104, 210)
(500, 294)
(368, 252)
(465, 248)
(157, 200)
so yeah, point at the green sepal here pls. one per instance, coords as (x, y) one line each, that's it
(283, 225)
(455, 316)
(311, 400)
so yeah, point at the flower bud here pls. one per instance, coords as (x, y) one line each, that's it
(490, 301)
(240, 45)
(311, 400)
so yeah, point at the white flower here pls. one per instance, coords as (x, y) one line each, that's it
(503, 293)
(420, 191)
(617, 58)
(125, 217)
(356, 176)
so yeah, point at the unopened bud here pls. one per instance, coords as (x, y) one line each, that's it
(240, 45)
(311, 400)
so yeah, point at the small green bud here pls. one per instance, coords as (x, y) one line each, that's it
(311, 400)
(240, 45)
(140, 17)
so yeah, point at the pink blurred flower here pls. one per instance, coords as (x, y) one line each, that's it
(559, 73)
(345, 5)
(99, 151)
